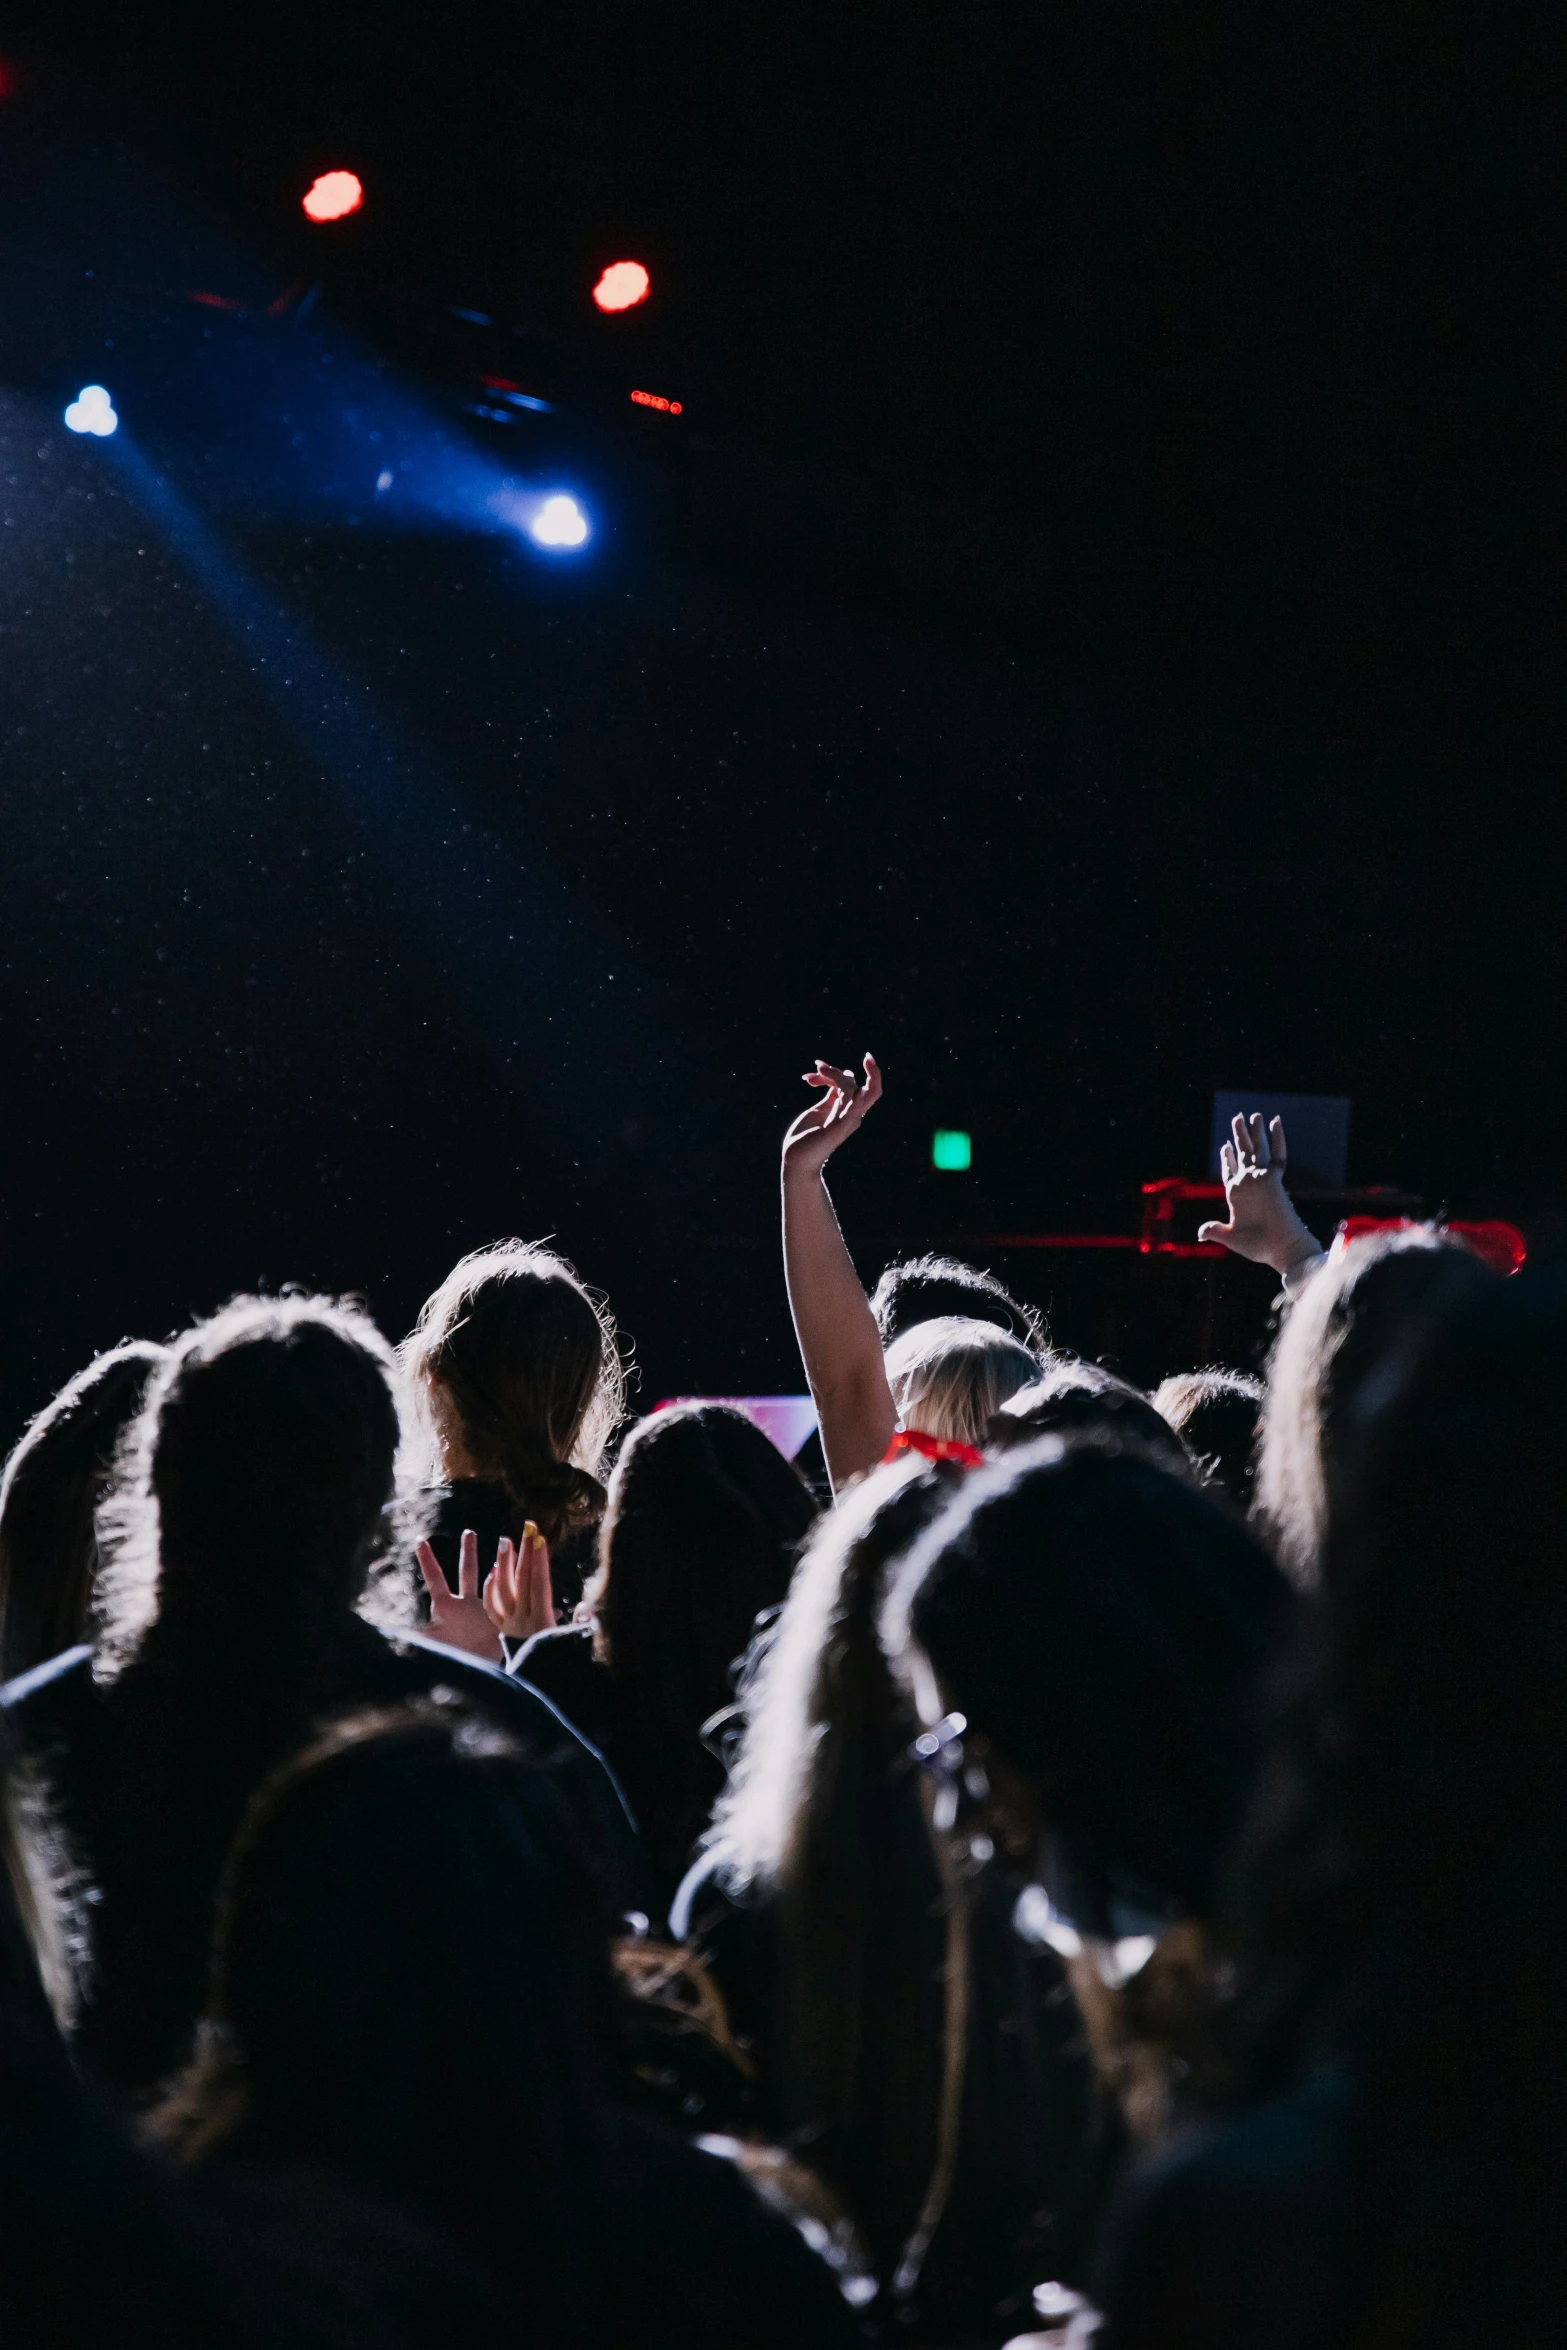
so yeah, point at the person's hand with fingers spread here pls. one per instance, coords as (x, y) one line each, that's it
(458, 1617)
(1263, 1223)
(840, 1345)
(839, 1111)
(518, 1596)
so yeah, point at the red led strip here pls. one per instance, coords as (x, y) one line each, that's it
(657, 400)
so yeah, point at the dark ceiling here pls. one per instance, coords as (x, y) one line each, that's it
(1093, 634)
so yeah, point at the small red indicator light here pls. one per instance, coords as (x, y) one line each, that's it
(333, 196)
(623, 285)
(657, 400)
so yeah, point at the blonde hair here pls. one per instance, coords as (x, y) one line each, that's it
(787, 1694)
(950, 1377)
(1300, 1399)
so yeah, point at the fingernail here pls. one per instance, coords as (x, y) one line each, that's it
(530, 1532)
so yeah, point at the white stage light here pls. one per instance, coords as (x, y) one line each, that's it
(92, 411)
(559, 522)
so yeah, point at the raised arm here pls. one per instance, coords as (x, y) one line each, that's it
(840, 1344)
(1263, 1222)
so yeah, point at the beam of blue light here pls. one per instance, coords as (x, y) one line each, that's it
(597, 1010)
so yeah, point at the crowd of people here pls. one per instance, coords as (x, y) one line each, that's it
(479, 1869)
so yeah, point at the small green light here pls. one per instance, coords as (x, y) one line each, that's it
(951, 1148)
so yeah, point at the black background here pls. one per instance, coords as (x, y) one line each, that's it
(1094, 635)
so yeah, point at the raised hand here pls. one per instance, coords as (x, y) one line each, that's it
(840, 1111)
(518, 1597)
(1263, 1224)
(458, 1617)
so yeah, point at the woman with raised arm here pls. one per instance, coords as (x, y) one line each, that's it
(940, 1379)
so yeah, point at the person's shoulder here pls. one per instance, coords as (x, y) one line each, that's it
(755, 2252)
(418, 1665)
(54, 1692)
(561, 1663)
(1235, 2232)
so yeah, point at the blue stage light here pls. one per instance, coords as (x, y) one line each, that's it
(559, 523)
(92, 411)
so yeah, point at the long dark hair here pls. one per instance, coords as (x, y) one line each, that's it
(52, 1485)
(435, 2032)
(1411, 1899)
(515, 1358)
(1106, 1626)
(253, 1488)
(704, 1522)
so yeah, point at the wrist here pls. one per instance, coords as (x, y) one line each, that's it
(1295, 1252)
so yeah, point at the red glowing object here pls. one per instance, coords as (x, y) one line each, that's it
(623, 285)
(1499, 1245)
(657, 400)
(333, 196)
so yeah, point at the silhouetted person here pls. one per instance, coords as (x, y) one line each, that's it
(1404, 1891)
(704, 1521)
(254, 1517)
(514, 1369)
(53, 1483)
(412, 1993)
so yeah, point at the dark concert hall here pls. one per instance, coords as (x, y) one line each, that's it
(594, 598)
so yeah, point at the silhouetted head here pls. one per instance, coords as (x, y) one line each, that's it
(1215, 1414)
(1406, 1868)
(1362, 1306)
(1072, 1398)
(409, 1978)
(517, 1365)
(950, 1378)
(704, 1522)
(255, 1482)
(941, 1289)
(1102, 1625)
(53, 1483)
(1445, 1602)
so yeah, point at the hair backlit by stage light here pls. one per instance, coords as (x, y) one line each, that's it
(92, 411)
(623, 285)
(333, 196)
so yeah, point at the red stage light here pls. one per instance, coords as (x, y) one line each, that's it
(333, 196)
(623, 285)
(657, 400)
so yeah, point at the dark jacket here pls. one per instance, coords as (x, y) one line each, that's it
(1240, 2236)
(670, 1801)
(151, 1774)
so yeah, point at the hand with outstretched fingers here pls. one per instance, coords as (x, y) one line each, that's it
(840, 1112)
(458, 1617)
(518, 1595)
(1263, 1224)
